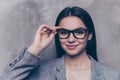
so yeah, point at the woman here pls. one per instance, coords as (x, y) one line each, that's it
(76, 49)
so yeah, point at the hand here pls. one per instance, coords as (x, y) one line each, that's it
(43, 37)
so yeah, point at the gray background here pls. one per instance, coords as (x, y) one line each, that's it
(19, 20)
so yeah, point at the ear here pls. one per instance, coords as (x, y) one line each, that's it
(90, 36)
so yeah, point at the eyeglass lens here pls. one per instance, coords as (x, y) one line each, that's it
(79, 33)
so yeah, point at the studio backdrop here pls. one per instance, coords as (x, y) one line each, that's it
(19, 19)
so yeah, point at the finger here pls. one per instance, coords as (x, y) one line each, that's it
(48, 30)
(55, 28)
(51, 36)
(41, 27)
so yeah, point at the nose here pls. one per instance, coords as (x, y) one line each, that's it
(71, 38)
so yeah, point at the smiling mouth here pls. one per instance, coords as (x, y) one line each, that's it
(71, 47)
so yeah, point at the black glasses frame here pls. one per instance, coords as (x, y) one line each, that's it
(73, 32)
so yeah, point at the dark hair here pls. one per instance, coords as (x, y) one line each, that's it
(87, 20)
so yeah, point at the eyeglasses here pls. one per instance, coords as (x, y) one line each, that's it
(79, 33)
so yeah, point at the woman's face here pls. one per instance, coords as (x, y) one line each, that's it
(72, 45)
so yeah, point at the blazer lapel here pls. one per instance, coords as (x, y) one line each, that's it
(96, 72)
(60, 69)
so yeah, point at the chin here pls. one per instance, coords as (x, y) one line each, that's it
(73, 53)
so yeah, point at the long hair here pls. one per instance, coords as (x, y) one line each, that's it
(87, 20)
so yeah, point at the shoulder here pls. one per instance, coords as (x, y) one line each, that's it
(106, 68)
(107, 71)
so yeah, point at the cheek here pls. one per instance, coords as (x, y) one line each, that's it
(82, 44)
(62, 42)
(83, 41)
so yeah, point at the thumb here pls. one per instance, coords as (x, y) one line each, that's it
(51, 36)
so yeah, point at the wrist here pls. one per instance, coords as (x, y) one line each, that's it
(34, 50)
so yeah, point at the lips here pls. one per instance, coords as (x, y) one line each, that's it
(71, 47)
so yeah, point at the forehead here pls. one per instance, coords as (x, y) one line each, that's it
(71, 23)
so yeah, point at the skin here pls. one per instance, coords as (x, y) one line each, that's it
(76, 56)
(71, 45)
(43, 37)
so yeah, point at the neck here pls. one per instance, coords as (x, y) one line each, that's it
(81, 61)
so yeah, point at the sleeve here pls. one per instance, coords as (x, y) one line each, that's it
(21, 67)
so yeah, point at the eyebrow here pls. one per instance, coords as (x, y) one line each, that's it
(74, 29)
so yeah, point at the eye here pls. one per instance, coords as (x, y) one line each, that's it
(63, 32)
(80, 31)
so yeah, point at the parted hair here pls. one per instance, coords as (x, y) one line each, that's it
(87, 20)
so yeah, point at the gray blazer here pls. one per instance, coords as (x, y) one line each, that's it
(30, 67)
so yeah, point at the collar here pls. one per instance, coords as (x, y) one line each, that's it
(61, 73)
(95, 70)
